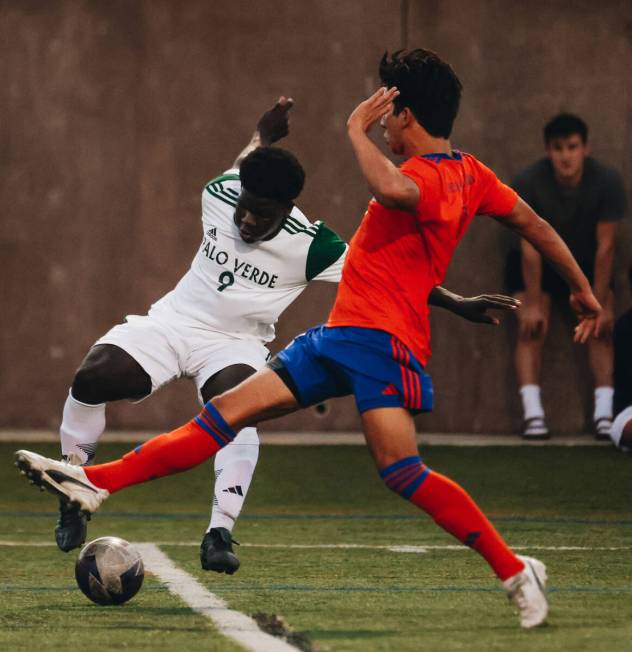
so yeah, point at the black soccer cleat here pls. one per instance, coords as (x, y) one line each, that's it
(216, 551)
(71, 528)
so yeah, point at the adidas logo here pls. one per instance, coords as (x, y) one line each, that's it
(233, 490)
(391, 390)
(212, 233)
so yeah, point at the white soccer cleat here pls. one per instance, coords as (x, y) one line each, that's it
(67, 481)
(526, 591)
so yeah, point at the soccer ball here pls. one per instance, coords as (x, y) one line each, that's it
(109, 570)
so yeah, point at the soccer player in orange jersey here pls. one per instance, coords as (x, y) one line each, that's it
(377, 339)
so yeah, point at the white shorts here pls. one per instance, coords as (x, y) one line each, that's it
(168, 349)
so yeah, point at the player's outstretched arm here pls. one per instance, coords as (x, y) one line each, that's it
(524, 221)
(272, 126)
(389, 186)
(473, 309)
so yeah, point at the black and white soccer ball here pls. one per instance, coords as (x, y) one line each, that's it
(109, 570)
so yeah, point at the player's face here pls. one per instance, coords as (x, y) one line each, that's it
(392, 132)
(258, 218)
(567, 155)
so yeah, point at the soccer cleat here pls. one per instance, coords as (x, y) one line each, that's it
(216, 551)
(71, 528)
(526, 591)
(67, 481)
(535, 428)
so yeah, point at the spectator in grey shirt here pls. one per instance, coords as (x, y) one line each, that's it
(584, 201)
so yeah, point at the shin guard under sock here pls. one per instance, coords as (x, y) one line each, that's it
(453, 509)
(81, 427)
(170, 453)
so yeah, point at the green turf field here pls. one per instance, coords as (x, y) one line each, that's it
(570, 507)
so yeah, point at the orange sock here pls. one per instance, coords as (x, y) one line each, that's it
(166, 454)
(453, 509)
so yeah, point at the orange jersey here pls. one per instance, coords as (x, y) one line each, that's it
(395, 258)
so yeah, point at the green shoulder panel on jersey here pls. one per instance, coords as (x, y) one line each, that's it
(324, 251)
(219, 189)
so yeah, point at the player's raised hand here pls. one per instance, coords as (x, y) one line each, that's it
(275, 123)
(587, 309)
(475, 308)
(367, 113)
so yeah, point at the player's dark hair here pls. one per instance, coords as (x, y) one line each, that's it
(273, 173)
(427, 86)
(563, 126)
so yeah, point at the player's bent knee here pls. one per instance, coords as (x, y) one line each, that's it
(89, 385)
(405, 476)
(102, 378)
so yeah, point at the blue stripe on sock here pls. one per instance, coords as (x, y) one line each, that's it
(399, 464)
(221, 424)
(410, 464)
(208, 431)
(219, 420)
(410, 489)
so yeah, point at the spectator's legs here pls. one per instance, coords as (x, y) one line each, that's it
(601, 361)
(600, 358)
(528, 358)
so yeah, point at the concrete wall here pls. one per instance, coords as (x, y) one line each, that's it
(115, 114)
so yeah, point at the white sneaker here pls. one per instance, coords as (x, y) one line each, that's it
(67, 481)
(526, 591)
(535, 428)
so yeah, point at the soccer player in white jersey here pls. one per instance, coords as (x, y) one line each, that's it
(258, 253)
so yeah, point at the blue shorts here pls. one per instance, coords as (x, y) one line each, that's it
(376, 367)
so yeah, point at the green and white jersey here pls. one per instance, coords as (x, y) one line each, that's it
(241, 289)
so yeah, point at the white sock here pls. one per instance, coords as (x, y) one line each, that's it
(80, 429)
(603, 402)
(234, 468)
(531, 403)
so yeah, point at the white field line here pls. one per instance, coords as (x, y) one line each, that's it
(230, 623)
(345, 546)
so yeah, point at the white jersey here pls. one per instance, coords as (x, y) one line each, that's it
(241, 289)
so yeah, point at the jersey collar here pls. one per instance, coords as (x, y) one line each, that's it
(455, 155)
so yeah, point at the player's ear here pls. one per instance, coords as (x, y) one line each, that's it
(406, 117)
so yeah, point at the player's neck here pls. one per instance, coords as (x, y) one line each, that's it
(419, 142)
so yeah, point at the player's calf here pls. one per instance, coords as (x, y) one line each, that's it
(453, 509)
